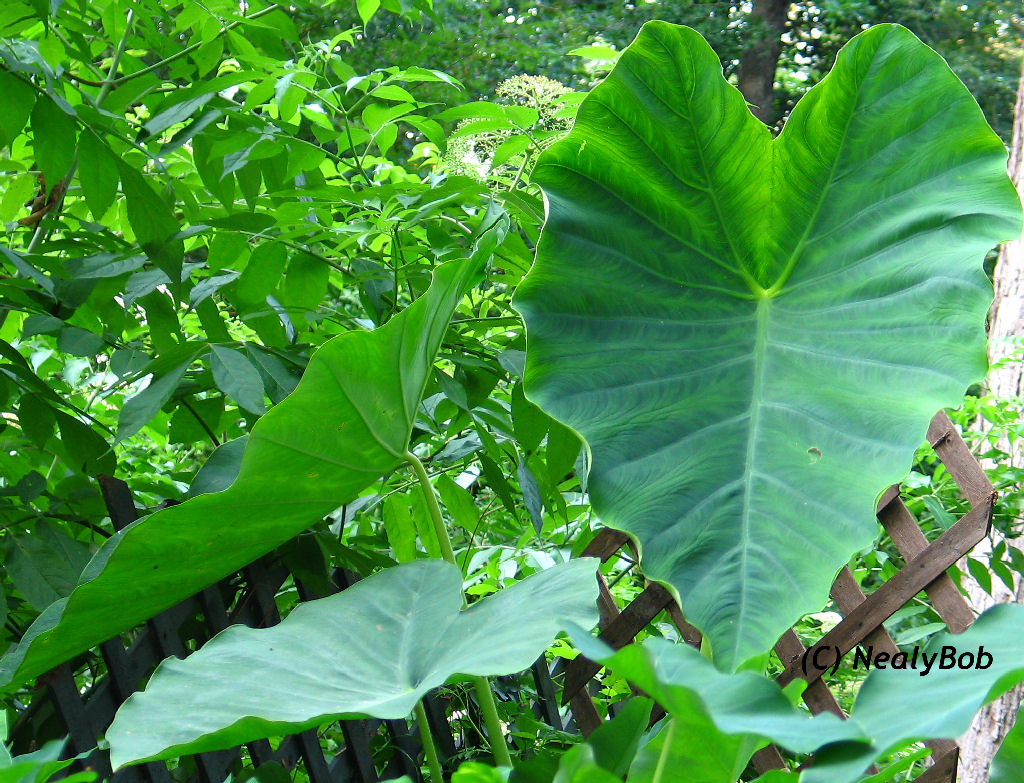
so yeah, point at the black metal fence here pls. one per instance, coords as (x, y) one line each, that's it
(247, 598)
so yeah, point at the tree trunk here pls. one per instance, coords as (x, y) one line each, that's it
(756, 73)
(981, 741)
(1007, 318)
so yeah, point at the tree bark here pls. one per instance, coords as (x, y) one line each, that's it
(981, 741)
(756, 73)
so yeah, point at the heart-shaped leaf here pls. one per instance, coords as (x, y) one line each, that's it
(341, 429)
(753, 334)
(374, 649)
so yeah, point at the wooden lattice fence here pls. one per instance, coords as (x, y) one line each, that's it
(249, 598)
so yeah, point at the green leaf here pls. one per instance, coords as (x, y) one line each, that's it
(221, 469)
(97, 173)
(140, 409)
(981, 574)
(18, 99)
(1008, 764)
(36, 419)
(305, 284)
(579, 765)
(261, 275)
(79, 342)
(267, 772)
(179, 112)
(615, 742)
(338, 432)
(53, 140)
(595, 53)
(531, 496)
(367, 8)
(687, 741)
(421, 520)
(41, 765)
(103, 265)
(19, 190)
(529, 422)
(45, 564)
(192, 424)
(475, 772)
(753, 334)
(399, 527)
(209, 286)
(938, 512)
(86, 451)
(153, 222)
(278, 382)
(563, 449)
(30, 486)
(374, 649)
(458, 502)
(235, 375)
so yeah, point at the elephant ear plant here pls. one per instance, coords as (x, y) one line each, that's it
(752, 333)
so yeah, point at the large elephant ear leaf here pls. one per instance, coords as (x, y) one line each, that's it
(347, 423)
(374, 649)
(752, 334)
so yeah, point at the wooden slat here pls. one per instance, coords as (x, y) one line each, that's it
(546, 707)
(585, 713)
(607, 609)
(943, 770)
(943, 594)
(961, 464)
(767, 759)
(910, 580)
(816, 695)
(605, 544)
(312, 757)
(620, 632)
(687, 632)
(82, 733)
(848, 596)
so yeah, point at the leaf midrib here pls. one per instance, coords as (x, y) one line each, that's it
(754, 412)
(761, 343)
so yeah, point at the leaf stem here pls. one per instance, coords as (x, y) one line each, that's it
(489, 709)
(440, 531)
(426, 739)
(429, 749)
(206, 427)
(484, 694)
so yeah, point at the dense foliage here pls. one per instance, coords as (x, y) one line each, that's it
(293, 235)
